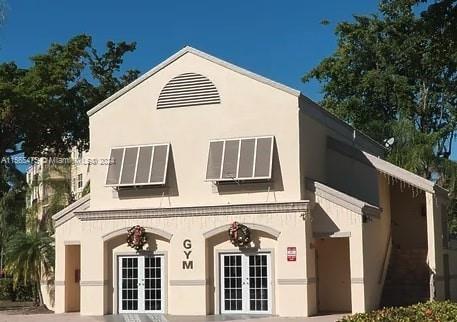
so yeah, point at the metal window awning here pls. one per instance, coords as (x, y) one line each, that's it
(138, 165)
(240, 159)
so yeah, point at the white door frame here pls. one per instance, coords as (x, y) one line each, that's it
(141, 283)
(245, 284)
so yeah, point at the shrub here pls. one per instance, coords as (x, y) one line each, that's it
(24, 293)
(7, 290)
(21, 293)
(423, 312)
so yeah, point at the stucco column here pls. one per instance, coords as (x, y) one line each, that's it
(357, 270)
(434, 245)
(296, 282)
(59, 304)
(92, 276)
(187, 274)
(311, 275)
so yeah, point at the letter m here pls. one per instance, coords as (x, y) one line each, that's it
(187, 264)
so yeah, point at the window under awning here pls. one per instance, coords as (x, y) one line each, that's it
(138, 165)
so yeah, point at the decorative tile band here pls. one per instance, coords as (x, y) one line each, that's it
(59, 283)
(262, 208)
(188, 282)
(296, 281)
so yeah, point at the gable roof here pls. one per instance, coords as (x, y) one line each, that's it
(342, 199)
(402, 174)
(384, 166)
(201, 54)
(325, 114)
(69, 212)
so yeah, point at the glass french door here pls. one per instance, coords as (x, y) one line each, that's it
(245, 283)
(141, 284)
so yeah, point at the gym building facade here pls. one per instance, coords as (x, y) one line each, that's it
(217, 191)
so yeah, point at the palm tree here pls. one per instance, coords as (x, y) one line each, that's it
(30, 257)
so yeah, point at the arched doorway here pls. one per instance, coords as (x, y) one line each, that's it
(136, 280)
(241, 280)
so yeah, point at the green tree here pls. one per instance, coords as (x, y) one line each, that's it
(43, 112)
(29, 257)
(44, 107)
(394, 75)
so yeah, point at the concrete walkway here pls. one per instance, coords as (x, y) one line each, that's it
(75, 317)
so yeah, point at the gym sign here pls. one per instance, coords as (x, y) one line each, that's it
(187, 263)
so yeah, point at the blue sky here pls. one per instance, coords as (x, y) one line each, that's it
(281, 40)
(277, 39)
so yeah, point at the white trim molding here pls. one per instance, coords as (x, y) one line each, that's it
(188, 282)
(93, 283)
(296, 281)
(72, 242)
(220, 210)
(122, 231)
(69, 212)
(224, 228)
(344, 200)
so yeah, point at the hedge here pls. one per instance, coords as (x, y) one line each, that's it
(21, 293)
(423, 312)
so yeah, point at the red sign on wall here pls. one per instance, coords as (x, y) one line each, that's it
(291, 254)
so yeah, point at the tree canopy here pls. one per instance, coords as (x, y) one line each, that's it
(393, 75)
(43, 108)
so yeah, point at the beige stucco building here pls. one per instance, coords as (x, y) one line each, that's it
(196, 144)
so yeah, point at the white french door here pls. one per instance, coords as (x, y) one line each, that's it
(141, 284)
(245, 283)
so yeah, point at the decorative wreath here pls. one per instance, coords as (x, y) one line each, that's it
(136, 237)
(239, 234)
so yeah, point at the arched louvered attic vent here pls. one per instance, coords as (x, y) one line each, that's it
(187, 90)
